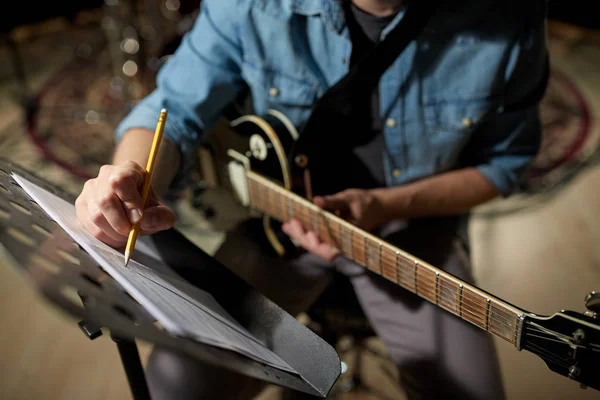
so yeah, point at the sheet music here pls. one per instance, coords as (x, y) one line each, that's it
(181, 308)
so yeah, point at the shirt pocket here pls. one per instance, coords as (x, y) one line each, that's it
(293, 96)
(450, 125)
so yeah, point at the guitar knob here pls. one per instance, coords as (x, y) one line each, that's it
(592, 302)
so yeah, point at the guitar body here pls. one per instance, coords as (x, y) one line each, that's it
(261, 143)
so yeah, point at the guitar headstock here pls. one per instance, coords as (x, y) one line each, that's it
(568, 342)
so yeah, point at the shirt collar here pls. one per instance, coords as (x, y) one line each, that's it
(330, 10)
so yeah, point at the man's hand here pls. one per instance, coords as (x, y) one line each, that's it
(110, 203)
(359, 207)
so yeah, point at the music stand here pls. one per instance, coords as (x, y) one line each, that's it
(69, 278)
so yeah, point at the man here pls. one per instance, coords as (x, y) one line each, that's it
(452, 123)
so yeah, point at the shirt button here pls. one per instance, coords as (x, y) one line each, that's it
(390, 122)
(396, 173)
(467, 122)
(273, 92)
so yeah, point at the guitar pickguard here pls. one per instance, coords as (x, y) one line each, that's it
(261, 145)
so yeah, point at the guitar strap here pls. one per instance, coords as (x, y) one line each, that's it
(335, 106)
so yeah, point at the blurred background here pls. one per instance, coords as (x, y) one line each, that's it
(71, 70)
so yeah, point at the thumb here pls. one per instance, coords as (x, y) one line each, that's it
(157, 218)
(152, 200)
(335, 202)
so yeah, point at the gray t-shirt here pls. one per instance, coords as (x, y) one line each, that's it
(365, 31)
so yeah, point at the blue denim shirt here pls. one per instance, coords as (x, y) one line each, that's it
(447, 90)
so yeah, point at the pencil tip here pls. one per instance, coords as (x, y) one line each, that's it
(127, 256)
(164, 110)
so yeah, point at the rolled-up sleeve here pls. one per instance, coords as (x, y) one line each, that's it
(196, 83)
(508, 141)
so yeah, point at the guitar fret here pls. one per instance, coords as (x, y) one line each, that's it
(282, 207)
(389, 269)
(381, 258)
(251, 194)
(460, 299)
(426, 283)
(416, 286)
(398, 270)
(273, 203)
(373, 261)
(368, 255)
(503, 323)
(405, 271)
(346, 240)
(448, 294)
(358, 250)
(260, 202)
(437, 288)
(473, 306)
(365, 251)
(315, 222)
(487, 315)
(290, 208)
(333, 232)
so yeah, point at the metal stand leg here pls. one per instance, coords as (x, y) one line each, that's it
(133, 367)
(130, 357)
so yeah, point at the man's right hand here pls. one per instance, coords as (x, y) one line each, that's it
(110, 203)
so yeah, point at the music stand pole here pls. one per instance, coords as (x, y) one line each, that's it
(130, 357)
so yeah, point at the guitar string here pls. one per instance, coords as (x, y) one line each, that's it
(570, 344)
(541, 328)
(506, 320)
(555, 335)
(547, 338)
(549, 354)
(564, 339)
(429, 290)
(537, 330)
(261, 197)
(546, 355)
(499, 323)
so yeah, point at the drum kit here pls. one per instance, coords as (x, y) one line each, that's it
(72, 118)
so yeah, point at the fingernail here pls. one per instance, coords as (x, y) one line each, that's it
(135, 215)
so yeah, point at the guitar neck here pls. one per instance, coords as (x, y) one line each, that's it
(448, 292)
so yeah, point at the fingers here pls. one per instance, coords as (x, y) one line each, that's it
(126, 181)
(157, 219)
(98, 218)
(110, 204)
(337, 203)
(309, 240)
(87, 222)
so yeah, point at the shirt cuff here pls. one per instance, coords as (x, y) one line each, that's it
(499, 178)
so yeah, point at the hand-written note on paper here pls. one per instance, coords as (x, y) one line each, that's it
(181, 308)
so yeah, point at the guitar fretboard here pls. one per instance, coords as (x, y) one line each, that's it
(448, 292)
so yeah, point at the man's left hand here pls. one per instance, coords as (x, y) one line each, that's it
(361, 208)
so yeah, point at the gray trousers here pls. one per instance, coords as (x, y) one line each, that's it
(439, 356)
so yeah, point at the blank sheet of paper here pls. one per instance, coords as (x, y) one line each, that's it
(181, 308)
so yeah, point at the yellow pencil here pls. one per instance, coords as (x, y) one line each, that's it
(148, 179)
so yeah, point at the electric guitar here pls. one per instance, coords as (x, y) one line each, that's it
(258, 173)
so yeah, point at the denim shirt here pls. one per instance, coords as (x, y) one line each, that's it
(442, 100)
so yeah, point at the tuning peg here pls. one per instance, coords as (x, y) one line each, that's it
(592, 302)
